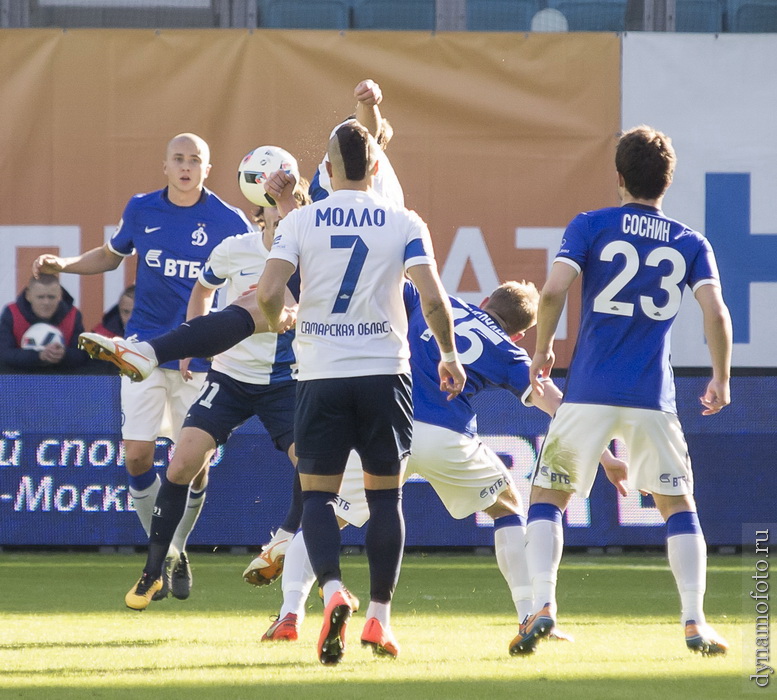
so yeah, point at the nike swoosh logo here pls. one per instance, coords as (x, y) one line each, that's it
(245, 273)
(151, 230)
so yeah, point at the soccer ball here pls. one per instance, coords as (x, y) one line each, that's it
(257, 166)
(39, 335)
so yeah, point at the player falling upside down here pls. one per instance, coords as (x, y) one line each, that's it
(635, 263)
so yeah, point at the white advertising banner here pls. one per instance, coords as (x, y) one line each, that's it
(716, 96)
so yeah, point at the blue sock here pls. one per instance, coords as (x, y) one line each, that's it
(293, 517)
(322, 534)
(544, 511)
(385, 541)
(684, 523)
(509, 520)
(142, 481)
(168, 511)
(205, 336)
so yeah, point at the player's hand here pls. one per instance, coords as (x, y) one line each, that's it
(541, 364)
(716, 398)
(452, 378)
(183, 368)
(280, 186)
(288, 319)
(617, 472)
(52, 354)
(47, 264)
(368, 92)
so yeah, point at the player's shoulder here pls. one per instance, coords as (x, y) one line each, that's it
(143, 200)
(213, 201)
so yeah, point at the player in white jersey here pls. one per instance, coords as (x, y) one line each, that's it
(352, 251)
(172, 231)
(635, 264)
(255, 377)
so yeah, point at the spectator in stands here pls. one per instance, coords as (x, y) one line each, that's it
(115, 319)
(43, 300)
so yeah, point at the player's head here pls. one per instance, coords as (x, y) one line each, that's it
(43, 294)
(126, 304)
(187, 162)
(515, 304)
(645, 161)
(352, 153)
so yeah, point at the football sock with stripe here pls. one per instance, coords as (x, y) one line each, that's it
(510, 548)
(144, 489)
(293, 517)
(385, 541)
(687, 553)
(205, 336)
(194, 504)
(544, 545)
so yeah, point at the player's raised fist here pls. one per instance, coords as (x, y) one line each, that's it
(368, 92)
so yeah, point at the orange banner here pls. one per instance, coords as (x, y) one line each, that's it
(499, 138)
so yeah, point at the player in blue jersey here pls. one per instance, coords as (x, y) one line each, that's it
(635, 263)
(352, 251)
(172, 231)
(446, 449)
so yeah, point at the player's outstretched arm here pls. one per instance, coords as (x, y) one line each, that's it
(436, 308)
(717, 331)
(368, 96)
(92, 262)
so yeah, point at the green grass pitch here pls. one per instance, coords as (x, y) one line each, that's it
(65, 633)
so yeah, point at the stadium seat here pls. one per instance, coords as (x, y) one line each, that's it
(304, 14)
(698, 16)
(394, 14)
(752, 16)
(593, 15)
(121, 13)
(501, 15)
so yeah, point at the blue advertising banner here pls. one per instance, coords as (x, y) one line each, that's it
(63, 482)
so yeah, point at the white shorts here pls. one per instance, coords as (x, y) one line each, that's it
(657, 452)
(466, 474)
(157, 406)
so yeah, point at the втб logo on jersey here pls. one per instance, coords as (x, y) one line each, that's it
(185, 269)
(199, 237)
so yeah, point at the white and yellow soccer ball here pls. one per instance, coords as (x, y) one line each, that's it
(257, 166)
(39, 335)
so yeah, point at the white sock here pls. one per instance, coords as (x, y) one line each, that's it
(544, 544)
(144, 503)
(330, 588)
(194, 502)
(687, 555)
(381, 611)
(298, 578)
(510, 546)
(280, 534)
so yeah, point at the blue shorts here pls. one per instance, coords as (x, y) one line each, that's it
(225, 403)
(372, 415)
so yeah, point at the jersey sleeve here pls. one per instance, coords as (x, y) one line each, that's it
(285, 245)
(122, 241)
(704, 268)
(517, 364)
(216, 270)
(418, 249)
(410, 297)
(574, 245)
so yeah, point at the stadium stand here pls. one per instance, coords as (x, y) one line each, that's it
(394, 14)
(501, 15)
(752, 15)
(304, 14)
(132, 15)
(699, 16)
(593, 15)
